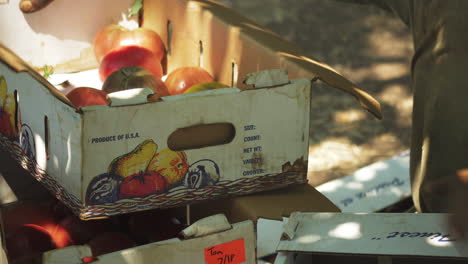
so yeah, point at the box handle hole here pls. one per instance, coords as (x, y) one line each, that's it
(200, 136)
(200, 58)
(234, 73)
(169, 37)
(46, 136)
(17, 112)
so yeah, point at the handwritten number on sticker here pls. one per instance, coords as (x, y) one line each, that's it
(228, 253)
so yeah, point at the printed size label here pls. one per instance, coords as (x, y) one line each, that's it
(252, 151)
(228, 253)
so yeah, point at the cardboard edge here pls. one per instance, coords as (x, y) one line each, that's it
(290, 226)
(333, 78)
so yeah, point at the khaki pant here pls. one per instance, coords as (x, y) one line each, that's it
(439, 143)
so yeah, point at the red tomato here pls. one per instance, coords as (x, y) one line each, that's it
(5, 124)
(26, 213)
(27, 240)
(59, 235)
(86, 96)
(143, 184)
(31, 217)
(130, 56)
(130, 77)
(114, 37)
(183, 78)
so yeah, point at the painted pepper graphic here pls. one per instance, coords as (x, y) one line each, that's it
(172, 165)
(135, 161)
(7, 110)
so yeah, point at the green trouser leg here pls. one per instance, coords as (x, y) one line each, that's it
(439, 143)
(440, 129)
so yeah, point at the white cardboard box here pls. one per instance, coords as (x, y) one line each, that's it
(382, 235)
(371, 188)
(236, 246)
(79, 155)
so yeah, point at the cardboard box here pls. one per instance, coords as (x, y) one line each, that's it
(81, 156)
(372, 188)
(234, 245)
(369, 238)
(210, 240)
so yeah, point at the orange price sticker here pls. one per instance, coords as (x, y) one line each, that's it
(228, 253)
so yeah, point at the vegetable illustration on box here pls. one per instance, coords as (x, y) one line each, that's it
(145, 171)
(7, 111)
(20, 134)
(202, 173)
(171, 165)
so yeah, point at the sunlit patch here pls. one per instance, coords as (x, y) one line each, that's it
(398, 192)
(41, 155)
(436, 243)
(388, 71)
(330, 154)
(389, 42)
(351, 230)
(355, 185)
(348, 116)
(369, 173)
(394, 94)
(6, 193)
(69, 160)
(55, 161)
(331, 186)
(308, 239)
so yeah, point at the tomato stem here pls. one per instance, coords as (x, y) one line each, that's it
(135, 8)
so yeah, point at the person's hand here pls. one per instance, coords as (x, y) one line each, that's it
(458, 206)
(30, 6)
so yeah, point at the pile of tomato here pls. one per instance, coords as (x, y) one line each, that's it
(32, 228)
(133, 59)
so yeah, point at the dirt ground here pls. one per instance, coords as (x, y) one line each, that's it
(369, 46)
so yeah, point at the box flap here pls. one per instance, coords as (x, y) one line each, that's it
(390, 234)
(268, 236)
(261, 49)
(209, 225)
